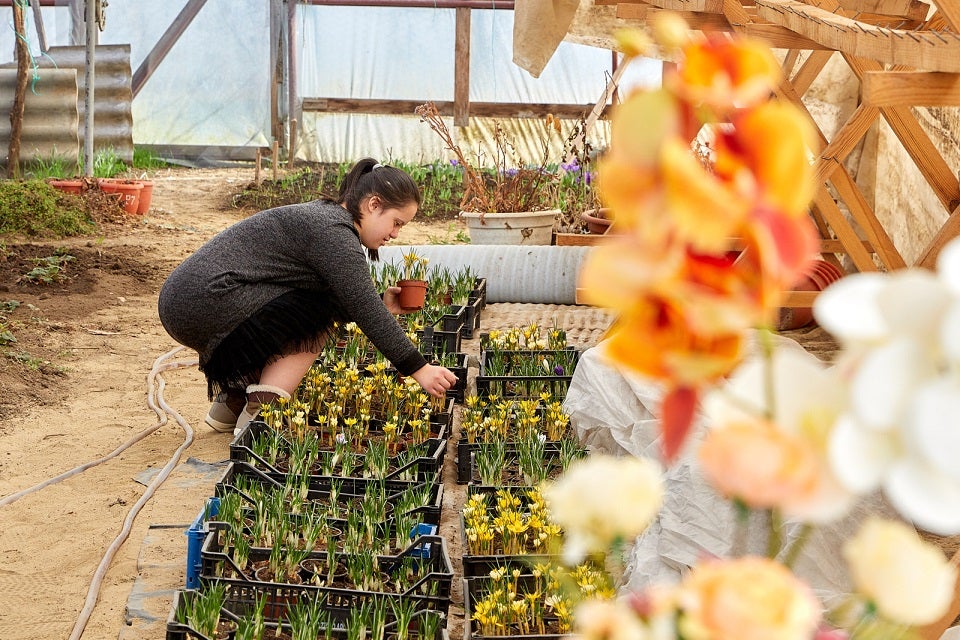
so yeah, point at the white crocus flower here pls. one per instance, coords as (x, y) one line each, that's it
(901, 338)
(807, 397)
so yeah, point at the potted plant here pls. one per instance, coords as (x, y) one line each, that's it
(413, 284)
(505, 204)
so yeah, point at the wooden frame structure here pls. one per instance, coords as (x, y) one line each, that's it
(905, 53)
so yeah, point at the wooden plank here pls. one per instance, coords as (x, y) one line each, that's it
(910, 89)
(699, 6)
(578, 239)
(632, 11)
(165, 43)
(947, 232)
(909, 9)
(697, 21)
(477, 109)
(780, 37)
(850, 193)
(915, 141)
(809, 70)
(848, 136)
(927, 50)
(795, 299)
(843, 230)
(461, 69)
(934, 630)
(949, 10)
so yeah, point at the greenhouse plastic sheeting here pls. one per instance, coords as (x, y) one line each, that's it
(213, 88)
(614, 412)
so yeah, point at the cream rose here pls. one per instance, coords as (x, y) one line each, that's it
(601, 499)
(606, 620)
(909, 580)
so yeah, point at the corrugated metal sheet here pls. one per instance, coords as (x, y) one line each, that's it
(113, 118)
(50, 119)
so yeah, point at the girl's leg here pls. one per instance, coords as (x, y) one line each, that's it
(279, 379)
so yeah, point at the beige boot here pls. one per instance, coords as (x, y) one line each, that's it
(225, 409)
(257, 394)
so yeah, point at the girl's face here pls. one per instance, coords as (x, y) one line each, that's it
(379, 225)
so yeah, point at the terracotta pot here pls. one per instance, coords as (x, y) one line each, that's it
(74, 187)
(413, 293)
(146, 194)
(597, 221)
(128, 190)
(818, 275)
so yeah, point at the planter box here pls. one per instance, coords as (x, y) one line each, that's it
(467, 465)
(454, 319)
(525, 386)
(481, 565)
(472, 321)
(479, 293)
(475, 589)
(423, 467)
(351, 488)
(179, 631)
(428, 552)
(433, 341)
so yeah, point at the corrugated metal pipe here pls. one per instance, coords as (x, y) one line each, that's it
(537, 274)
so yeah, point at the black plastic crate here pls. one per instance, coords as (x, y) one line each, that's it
(479, 292)
(338, 631)
(242, 593)
(422, 467)
(433, 340)
(350, 488)
(471, 323)
(481, 565)
(571, 354)
(467, 466)
(474, 589)
(454, 319)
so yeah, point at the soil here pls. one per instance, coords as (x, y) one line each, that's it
(73, 387)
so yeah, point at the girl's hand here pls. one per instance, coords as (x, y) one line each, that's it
(435, 380)
(391, 300)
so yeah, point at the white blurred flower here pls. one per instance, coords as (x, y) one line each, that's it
(807, 397)
(909, 580)
(901, 338)
(602, 499)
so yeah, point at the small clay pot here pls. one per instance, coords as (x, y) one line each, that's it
(818, 275)
(413, 294)
(597, 221)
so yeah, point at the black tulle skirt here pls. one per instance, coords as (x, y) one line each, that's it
(294, 322)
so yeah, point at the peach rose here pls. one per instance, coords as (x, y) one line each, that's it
(759, 464)
(748, 598)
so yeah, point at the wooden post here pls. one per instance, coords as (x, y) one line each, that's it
(275, 150)
(293, 143)
(256, 172)
(20, 96)
(38, 20)
(461, 69)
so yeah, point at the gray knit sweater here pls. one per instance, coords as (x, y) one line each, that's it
(312, 246)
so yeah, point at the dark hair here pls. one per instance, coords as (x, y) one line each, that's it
(368, 177)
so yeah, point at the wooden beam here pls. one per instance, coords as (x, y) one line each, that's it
(697, 21)
(861, 211)
(165, 43)
(949, 10)
(852, 243)
(809, 70)
(915, 141)
(911, 89)
(947, 232)
(780, 37)
(461, 69)
(844, 140)
(38, 23)
(477, 109)
(908, 9)
(927, 50)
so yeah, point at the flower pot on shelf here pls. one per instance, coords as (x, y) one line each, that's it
(818, 275)
(597, 221)
(413, 294)
(128, 191)
(518, 228)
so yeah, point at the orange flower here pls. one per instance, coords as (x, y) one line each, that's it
(760, 464)
(746, 599)
(721, 73)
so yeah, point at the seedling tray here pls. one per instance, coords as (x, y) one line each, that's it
(434, 340)
(180, 631)
(422, 467)
(319, 488)
(481, 565)
(474, 589)
(242, 593)
(454, 319)
(471, 323)
(466, 458)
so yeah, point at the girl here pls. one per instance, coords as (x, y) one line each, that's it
(258, 300)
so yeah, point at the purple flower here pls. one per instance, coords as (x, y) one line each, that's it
(570, 167)
(511, 172)
(558, 370)
(454, 163)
